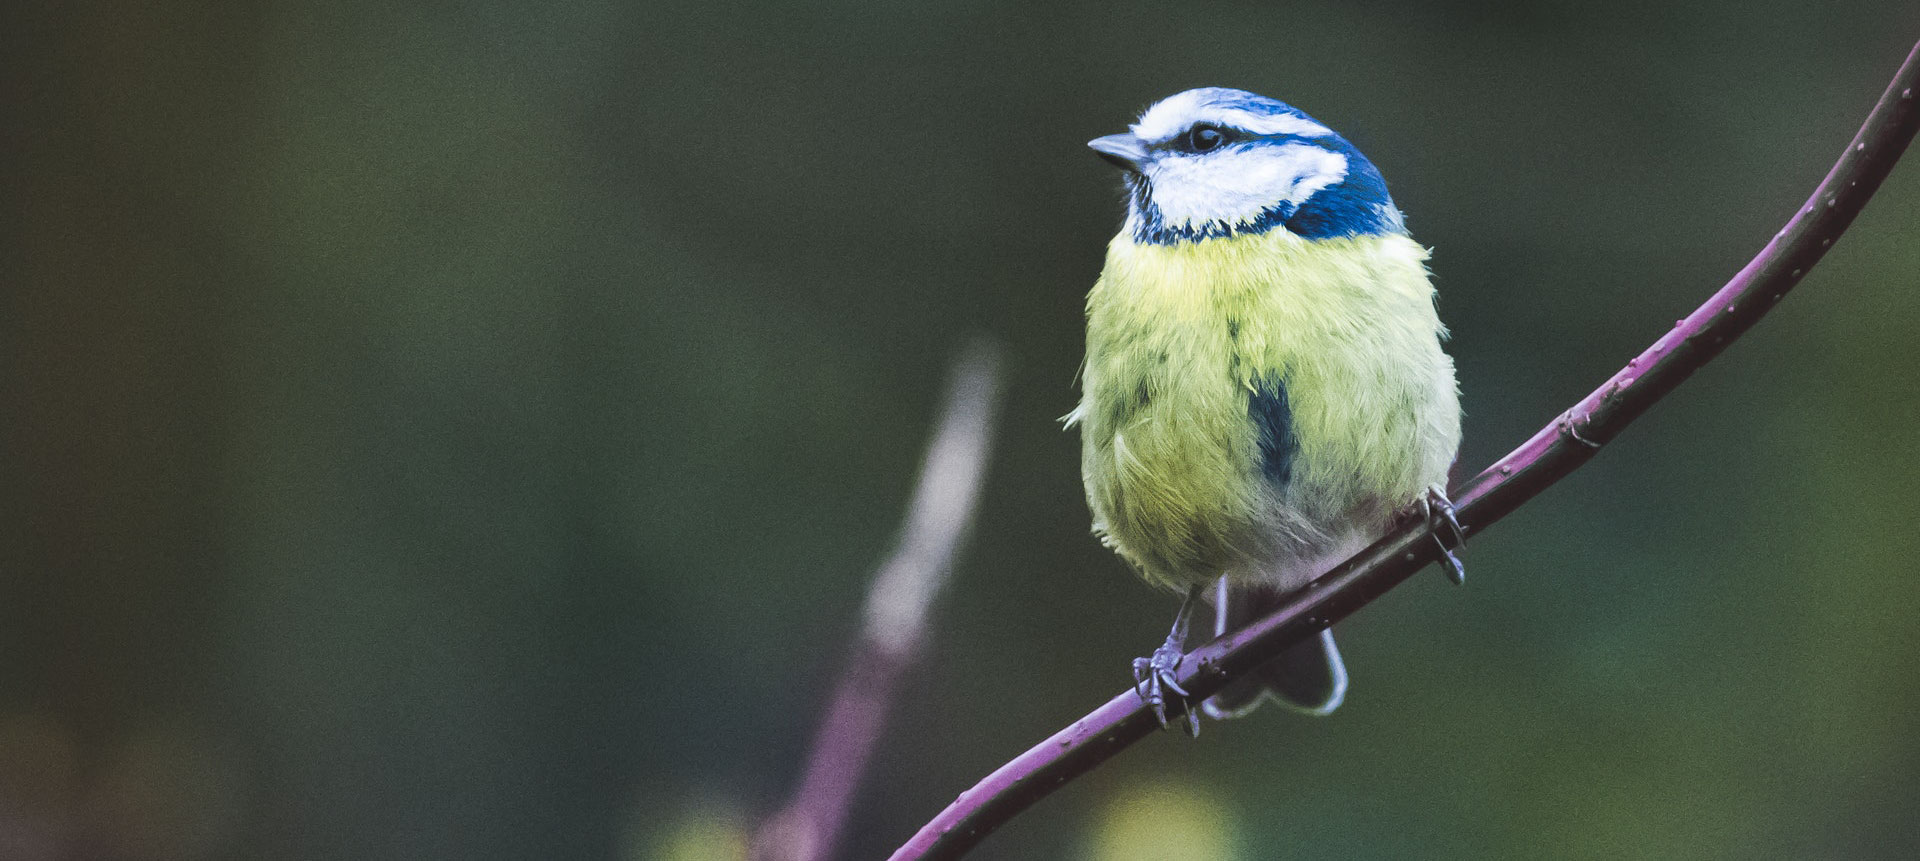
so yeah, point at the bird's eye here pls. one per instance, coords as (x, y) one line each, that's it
(1205, 138)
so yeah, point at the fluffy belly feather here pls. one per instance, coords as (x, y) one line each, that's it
(1252, 405)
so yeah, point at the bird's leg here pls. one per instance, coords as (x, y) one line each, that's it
(1447, 532)
(1153, 676)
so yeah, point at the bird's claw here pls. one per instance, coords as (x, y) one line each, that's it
(1447, 532)
(1154, 676)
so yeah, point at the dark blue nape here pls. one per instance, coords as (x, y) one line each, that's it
(1355, 206)
(1273, 420)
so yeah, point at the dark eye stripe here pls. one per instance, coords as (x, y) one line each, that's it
(1229, 135)
(1204, 137)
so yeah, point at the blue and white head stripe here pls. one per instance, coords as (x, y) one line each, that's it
(1278, 168)
(1238, 109)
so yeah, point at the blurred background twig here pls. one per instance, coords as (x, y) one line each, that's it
(938, 519)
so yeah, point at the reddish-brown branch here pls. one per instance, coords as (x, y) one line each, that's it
(1559, 448)
(938, 517)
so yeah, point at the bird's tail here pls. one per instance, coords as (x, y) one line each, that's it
(1308, 677)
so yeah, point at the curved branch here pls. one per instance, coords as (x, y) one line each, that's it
(1559, 448)
(938, 519)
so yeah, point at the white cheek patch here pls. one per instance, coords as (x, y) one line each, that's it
(1237, 185)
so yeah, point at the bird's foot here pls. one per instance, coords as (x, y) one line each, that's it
(1447, 532)
(1154, 676)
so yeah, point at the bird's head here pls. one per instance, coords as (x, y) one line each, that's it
(1216, 162)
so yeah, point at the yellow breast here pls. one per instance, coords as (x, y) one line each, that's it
(1179, 337)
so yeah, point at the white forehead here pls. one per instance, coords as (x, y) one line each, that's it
(1177, 113)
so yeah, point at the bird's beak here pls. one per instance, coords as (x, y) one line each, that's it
(1125, 151)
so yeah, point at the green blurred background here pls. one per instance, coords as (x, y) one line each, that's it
(465, 430)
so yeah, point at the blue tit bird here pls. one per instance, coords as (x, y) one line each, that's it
(1264, 390)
